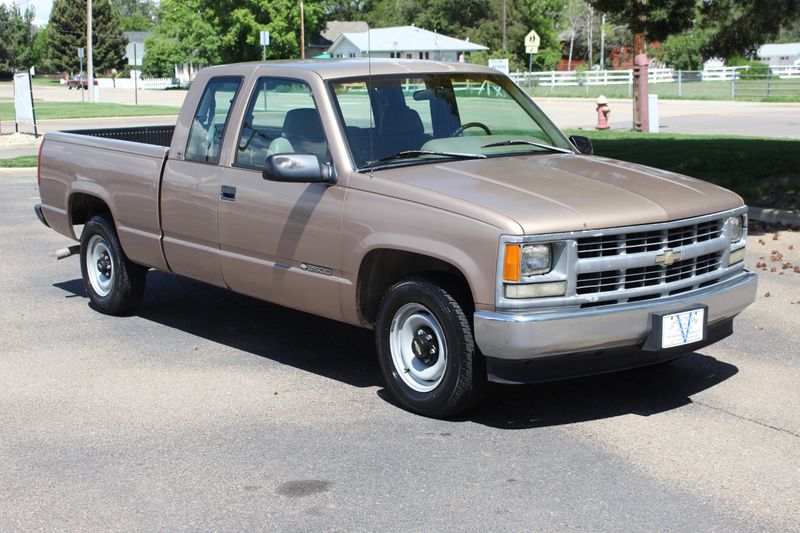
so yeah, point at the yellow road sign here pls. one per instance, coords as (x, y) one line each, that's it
(532, 41)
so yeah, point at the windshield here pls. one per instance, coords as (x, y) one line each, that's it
(432, 117)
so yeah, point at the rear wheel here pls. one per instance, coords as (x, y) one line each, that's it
(115, 284)
(426, 349)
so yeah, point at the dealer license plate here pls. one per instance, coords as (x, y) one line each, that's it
(682, 328)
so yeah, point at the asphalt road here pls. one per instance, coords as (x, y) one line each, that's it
(208, 410)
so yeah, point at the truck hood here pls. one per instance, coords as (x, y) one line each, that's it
(561, 192)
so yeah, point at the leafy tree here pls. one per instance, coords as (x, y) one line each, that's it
(739, 26)
(575, 18)
(135, 15)
(41, 50)
(16, 38)
(67, 30)
(662, 17)
(685, 50)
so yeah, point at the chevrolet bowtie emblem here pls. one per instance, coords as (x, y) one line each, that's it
(668, 257)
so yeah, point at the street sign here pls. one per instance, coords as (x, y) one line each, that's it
(499, 64)
(532, 42)
(81, 52)
(264, 38)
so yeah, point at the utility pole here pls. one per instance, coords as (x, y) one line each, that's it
(505, 44)
(640, 118)
(591, 23)
(89, 59)
(603, 42)
(302, 32)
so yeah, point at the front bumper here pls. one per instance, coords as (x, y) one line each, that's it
(533, 335)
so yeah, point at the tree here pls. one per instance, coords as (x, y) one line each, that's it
(685, 50)
(576, 15)
(740, 26)
(16, 38)
(204, 32)
(41, 50)
(135, 15)
(67, 31)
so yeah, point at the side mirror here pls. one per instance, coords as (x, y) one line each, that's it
(583, 144)
(297, 168)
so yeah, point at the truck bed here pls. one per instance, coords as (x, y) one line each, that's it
(155, 135)
(120, 166)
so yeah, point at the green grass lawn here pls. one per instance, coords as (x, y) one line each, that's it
(53, 110)
(765, 172)
(19, 162)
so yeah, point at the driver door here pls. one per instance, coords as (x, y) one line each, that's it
(281, 241)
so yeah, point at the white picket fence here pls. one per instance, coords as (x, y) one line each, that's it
(625, 77)
(144, 83)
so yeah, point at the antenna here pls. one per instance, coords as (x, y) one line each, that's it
(369, 98)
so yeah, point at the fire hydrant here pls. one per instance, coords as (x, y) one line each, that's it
(602, 113)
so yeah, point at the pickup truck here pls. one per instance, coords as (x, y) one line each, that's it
(432, 202)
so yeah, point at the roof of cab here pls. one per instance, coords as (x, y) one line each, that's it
(346, 68)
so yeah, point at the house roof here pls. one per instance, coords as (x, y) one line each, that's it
(136, 36)
(786, 49)
(334, 28)
(405, 38)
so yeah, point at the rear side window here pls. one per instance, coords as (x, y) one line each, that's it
(211, 118)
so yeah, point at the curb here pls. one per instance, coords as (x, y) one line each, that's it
(782, 216)
(18, 172)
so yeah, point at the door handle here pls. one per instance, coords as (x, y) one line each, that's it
(227, 193)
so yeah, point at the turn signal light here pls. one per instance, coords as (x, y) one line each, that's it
(511, 263)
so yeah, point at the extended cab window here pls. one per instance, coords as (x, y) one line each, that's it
(210, 119)
(281, 118)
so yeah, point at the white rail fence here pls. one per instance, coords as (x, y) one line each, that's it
(656, 75)
(144, 83)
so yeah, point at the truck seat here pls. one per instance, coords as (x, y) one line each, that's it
(400, 129)
(303, 130)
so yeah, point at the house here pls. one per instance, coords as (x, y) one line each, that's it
(779, 54)
(333, 29)
(405, 42)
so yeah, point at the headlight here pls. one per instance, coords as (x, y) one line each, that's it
(536, 259)
(736, 228)
(526, 260)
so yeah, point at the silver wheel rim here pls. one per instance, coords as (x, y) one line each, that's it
(99, 265)
(414, 332)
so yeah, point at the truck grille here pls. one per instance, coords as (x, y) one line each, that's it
(620, 266)
(631, 243)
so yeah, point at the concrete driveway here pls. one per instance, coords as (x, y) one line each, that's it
(212, 411)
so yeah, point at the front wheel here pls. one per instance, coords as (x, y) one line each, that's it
(426, 349)
(114, 283)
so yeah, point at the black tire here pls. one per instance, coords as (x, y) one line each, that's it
(122, 290)
(464, 371)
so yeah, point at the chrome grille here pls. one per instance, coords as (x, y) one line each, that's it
(620, 266)
(631, 243)
(634, 278)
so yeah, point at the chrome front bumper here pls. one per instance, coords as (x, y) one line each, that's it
(524, 336)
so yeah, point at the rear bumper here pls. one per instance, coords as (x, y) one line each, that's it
(528, 336)
(38, 210)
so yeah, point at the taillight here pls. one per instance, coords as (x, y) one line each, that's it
(39, 166)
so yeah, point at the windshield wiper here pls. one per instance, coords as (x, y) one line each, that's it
(407, 154)
(516, 142)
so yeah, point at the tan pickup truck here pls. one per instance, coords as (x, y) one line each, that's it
(433, 202)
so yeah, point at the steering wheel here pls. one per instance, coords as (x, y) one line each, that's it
(460, 130)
